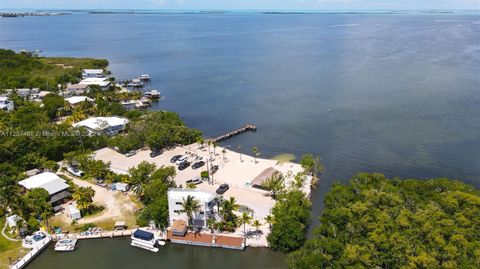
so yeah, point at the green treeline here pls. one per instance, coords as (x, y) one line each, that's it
(23, 70)
(375, 222)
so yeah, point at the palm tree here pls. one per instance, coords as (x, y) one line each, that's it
(224, 151)
(256, 223)
(245, 219)
(270, 220)
(240, 154)
(201, 141)
(190, 206)
(228, 206)
(254, 151)
(215, 144)
(211, 224)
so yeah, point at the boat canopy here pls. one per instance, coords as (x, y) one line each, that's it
(143, 235)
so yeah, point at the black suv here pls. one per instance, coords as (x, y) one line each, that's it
(155, 153)
(223, 188)
(175, 158)
(183, 165)
(198, 164)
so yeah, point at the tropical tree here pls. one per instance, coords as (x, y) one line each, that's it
(244, 220)
(270, 220)
(255, 152)
(38, 203)
(140, 176)
(84, 198)
(256, 223)
(227, 212)
(190, 206)
(275, 184)
(292, 215)
(311, 165)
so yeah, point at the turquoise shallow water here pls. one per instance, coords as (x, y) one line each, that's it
(397, 94)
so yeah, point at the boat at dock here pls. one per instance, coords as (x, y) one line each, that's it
(144, 77)
(153, 94)
(145, 240)
(67, 244)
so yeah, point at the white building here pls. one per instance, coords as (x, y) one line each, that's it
(175, 209)
(56, 187)
(103, 83)
(103, 125)
(74, 89)
(92, 73)
(74, 213)
(6, 104)
(75, 100)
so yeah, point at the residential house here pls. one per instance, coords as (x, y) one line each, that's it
(103, 83)
(77, 89)
(175, 209)
(56, 187)
(103, 125)
(76, 100)
(92, 73)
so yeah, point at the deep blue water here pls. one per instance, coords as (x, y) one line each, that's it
(396, 94)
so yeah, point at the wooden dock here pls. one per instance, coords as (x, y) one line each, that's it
(241, 130)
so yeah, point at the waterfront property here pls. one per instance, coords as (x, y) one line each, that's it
(92, 73)
(103, 83)
(76, 100)
(76, 89)
(6, 104)
(208, 240)
(105, 125)
(56, 187)
(206, 201)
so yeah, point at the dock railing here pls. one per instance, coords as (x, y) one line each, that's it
(241, 130)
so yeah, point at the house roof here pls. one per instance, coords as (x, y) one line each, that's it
(264, 175)
(47, 180)
(93, 71)
(101, 123)
(78, 99)
(179, 194)
(77, 86)
(102, 82)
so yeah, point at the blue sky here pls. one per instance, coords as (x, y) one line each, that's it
(244, 4)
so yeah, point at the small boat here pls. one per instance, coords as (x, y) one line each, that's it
(144, 77)
(135, 83)
(153, 94)
(67, 244)
(145, 240)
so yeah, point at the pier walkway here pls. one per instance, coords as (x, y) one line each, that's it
(241, 130)
(32, 254)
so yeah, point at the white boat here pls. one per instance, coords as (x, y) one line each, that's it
(153, 94)
(145, 240)
(67, 244)
(144, 77)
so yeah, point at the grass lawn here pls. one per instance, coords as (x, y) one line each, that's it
(12, 249)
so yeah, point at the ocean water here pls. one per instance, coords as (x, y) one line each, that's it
(392, 93)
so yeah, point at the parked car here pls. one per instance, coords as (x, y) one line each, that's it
(223, 188)
(181, 160)
(130, 153)
(155, 153)
(195, 181)
(101, 183)
(183, 165)
(75, 171)
(198, 164)
(175, 158)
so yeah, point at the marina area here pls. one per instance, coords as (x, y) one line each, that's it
(118, 253)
